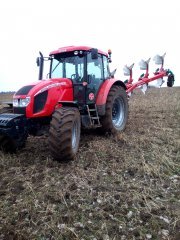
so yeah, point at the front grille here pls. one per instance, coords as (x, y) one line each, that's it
(40, 101)
(20, 110)
(24, 90)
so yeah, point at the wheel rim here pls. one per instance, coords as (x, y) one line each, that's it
(118, 112)
(75, 135)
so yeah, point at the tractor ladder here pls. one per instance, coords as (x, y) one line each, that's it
(93, 115)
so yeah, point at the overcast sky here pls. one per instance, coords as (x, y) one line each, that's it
(132, 29)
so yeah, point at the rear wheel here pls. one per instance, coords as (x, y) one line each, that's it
(116, 115)
(64, 135)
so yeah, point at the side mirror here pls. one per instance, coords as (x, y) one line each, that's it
(40, 64)
(94, 53)
(38, 60)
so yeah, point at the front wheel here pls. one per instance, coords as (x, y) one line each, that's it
(116, 115)
(64, 134)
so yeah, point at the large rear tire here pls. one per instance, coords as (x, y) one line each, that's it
(116, 115)
(64, 134)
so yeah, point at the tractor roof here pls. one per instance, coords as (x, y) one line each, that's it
(75, 48)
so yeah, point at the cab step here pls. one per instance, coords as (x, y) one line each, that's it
(93, 115)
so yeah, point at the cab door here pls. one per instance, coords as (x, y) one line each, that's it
(95, 77)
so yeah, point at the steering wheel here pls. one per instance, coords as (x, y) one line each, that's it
(73, 76)
(76, 77)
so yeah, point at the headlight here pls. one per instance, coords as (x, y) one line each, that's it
(21, 102)
(15, 102)
(24, 102)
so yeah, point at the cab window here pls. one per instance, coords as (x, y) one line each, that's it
(94, 68)
(106, 68)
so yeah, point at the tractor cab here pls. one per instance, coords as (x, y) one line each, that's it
(86, 67)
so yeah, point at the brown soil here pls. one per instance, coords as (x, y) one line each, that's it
(123, 187)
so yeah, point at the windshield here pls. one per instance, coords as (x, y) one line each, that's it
(67, 66)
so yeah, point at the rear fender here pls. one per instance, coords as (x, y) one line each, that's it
(103, 94)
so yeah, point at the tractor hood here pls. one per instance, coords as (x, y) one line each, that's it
(40, 98)
(41, 86)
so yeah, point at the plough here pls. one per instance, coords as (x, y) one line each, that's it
(144, 79)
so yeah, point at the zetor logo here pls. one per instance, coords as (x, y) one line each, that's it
(91, 96)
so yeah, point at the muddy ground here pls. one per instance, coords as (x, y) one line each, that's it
(123, 187)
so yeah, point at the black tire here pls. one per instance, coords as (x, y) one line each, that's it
(7, 145)
(64, 133)
(170, 80)
(116, 115)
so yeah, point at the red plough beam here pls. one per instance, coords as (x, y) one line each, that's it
(144, 79)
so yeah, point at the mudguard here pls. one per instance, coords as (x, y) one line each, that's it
(103, 94)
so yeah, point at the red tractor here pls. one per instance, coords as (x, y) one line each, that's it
(80, 92)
